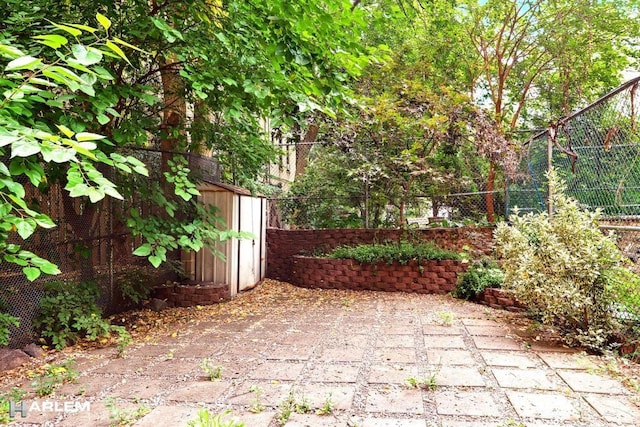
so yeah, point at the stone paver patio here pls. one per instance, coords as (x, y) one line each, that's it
(352, 350)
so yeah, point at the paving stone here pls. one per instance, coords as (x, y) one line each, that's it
(87, 385)
(348, 340)
(287, 352)
(391, 374)
(196, 351)
(318, 394)
(441, 330)
(141, 388)
(98, 415)
(395, 355)
(167, 416)
(457, 423)
(334, 373)
(406, 341)
(489, 331)
(260, 419)
(516, 359)
(458, 376)
(266, 394)
(524, 378)
(199, 392)
(275, 370)
(174, 368)
(446, 357)
(397, 329)
(582, 381)
(444, 341)
(151, 350)
(390, 422)
(553, 406)
(471, 321)
(342, 355)
(496, 343)
(466, 403)
(124, 366)
(313, 420)
(614, 409)
(567, 360)
(395, 400)
(301, 339)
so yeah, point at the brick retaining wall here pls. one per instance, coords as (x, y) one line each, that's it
(430, 277)
(500, 298)
(282, 245)
(191, 295)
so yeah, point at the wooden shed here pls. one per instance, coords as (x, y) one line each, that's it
(244, 265)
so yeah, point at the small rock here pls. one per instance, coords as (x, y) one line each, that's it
(33, 350)
(11, 359)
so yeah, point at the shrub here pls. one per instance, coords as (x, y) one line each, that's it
(68, 312)
(564, 269)
(401, 252)
(480, 275)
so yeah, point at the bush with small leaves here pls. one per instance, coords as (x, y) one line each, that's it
(565, 270)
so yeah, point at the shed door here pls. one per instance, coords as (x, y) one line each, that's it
(249, 250)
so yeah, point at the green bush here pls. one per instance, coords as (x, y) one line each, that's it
(565, 270)
(6, 320)
(68, 312)
(480, 275)
(401, 252)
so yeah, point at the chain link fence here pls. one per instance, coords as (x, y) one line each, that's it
(91, 243)
(359, 211)
(596, 151)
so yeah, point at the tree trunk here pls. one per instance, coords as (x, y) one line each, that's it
(491, 182)
(174, 110)
(303, 149)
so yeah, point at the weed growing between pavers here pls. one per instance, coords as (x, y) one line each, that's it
(206, 419)
(125, 417)
(53, 376)
(213, 372)
(256, 405)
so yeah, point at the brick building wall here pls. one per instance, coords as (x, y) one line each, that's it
(282, 245)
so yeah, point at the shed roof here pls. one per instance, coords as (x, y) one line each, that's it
(231, 188)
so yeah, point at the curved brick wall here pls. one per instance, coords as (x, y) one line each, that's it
(435, 277)
(191, 295)
(282, 245)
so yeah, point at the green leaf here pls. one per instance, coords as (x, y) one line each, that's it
(8, 139)
(25, 228)
(143, 250)
(49, 268)
(155, 260)
(71, 30)
(103, 119)
(24, 148)
(4, 170)
(65, 130)
(52, 40)
(116, 49)
(86, 56)
(32, 273)
(87, 136)
(23, 63)
(103, 20)
(124, 43)
(10, 51)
